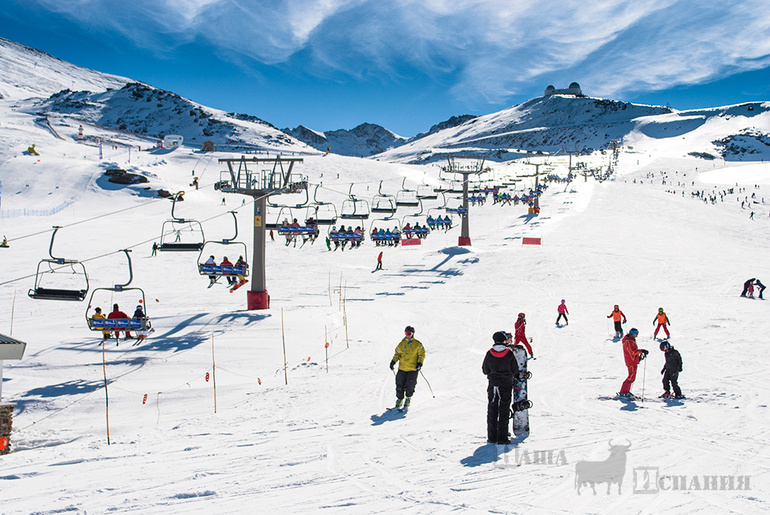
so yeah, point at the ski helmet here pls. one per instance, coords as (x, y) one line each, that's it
(660, 310)
(617, 307)
(521, 315)
(563, 301)
(409, 329)
(634, 331)
(499, 337)
(664, 345)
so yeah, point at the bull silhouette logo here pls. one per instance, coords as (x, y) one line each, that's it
(608, 471)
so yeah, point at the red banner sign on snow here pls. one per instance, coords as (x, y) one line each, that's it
(530, 241)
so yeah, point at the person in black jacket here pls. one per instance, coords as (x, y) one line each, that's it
(499, 366)
(671, 370)
(746, 286)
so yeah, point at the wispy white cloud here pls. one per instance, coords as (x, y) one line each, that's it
(487, 49)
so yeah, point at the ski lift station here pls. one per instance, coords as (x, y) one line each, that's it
(173, 140)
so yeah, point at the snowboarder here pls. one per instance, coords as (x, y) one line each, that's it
(563, 312)
(410, 355)
(746, 286)
(521, 337)
(632, 355)
(141, 334)
(500, 367)
(617, 316)
(671, 370)
(379, 262)
(662, 321)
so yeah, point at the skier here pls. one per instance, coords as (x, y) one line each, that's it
(521, 338)
(662, 321)
(98, 315)
(379, 262)
(117, 313)
(746, 286)
(563, 312)
(410, 355)
(154, 249)
(226, 262)
(761, 287)
(141, 334)
(632, 355)
(212, 278)
(617, 316)
(671, 370)
(500, 367)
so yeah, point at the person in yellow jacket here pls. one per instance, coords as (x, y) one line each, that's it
(410, 355)
(98, 315)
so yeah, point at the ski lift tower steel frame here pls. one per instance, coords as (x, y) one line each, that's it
(471, 168)
(259, 185)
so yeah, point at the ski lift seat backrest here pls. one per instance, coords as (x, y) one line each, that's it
(180, 247)
(106, 324)
(223, 270)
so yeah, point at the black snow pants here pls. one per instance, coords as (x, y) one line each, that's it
(498, 411)
(405, 383)
(672, 377)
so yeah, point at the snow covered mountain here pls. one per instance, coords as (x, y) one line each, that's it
(558, 123)
(365, 140)
(42, 85)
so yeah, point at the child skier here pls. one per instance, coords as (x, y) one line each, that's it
(410, 355)
(633, 356)
(563, 312)
(500, 367)
(521, 337)
(662, 321)
(617, 316)
(671, 370)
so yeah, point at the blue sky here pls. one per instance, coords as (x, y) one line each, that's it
(408, 64)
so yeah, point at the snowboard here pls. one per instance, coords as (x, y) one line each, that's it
(238, 285)
(521, 404)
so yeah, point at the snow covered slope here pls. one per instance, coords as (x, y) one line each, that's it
(559, 123)
(26, 72)
(41, 85)
(307, 438)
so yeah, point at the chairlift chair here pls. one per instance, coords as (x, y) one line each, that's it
(54, 266)
(426, 192)
(120, 324)
(325, 212)
(406, 197)
(354, 208)
(227, 270)
(175, 227)
(382, 203)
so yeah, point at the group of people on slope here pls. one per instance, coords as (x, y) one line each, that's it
(750, 286)
(633, 355)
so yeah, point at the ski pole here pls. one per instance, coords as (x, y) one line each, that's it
(644, 378)
(426, 382)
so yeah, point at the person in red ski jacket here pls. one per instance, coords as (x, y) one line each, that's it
(563, 312)
(117, 313)
(632, 355)
(521, 337)
(662, 320)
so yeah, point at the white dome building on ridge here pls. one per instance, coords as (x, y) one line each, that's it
(573, 89)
